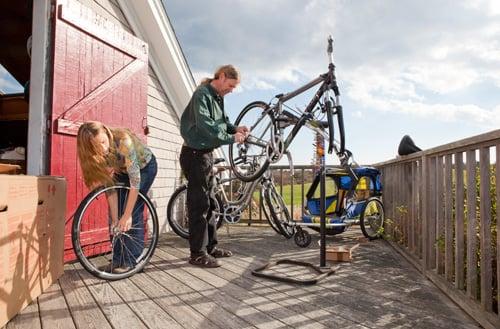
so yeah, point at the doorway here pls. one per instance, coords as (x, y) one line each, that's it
(15, 63)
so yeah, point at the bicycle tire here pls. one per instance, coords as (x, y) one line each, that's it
(250, 160)
(269, 219)
(340, 121)
(94, 240)
(372, 218)
(279, 212)
(177, 212)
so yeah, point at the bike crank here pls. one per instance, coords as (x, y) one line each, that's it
(232, 214)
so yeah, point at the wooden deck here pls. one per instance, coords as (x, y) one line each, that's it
(379, 289)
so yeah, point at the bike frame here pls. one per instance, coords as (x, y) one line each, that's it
(326, 80)
(242, 202)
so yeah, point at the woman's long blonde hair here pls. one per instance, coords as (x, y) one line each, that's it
(229, 71)
(97, 166)
(94, 162)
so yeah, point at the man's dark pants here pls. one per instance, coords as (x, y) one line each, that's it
(197, 165)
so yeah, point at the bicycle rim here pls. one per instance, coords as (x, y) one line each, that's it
(177, 214)
(279, 212)
(270, 219)
(250, 160)
(372, 219)
(104, 251)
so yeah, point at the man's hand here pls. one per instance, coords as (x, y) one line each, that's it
(243, 129)
(240, 137)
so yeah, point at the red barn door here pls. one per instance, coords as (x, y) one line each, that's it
(99, 73)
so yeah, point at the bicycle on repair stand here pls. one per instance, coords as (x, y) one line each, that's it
(267, 142)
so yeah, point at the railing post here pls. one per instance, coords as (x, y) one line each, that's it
(459, 227)
(471, 226)
(485, 229)
(424, 214)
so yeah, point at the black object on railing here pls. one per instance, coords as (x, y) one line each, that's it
(407, 146)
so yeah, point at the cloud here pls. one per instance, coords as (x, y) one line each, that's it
(411, 58)
(488, 7)
(390, 92)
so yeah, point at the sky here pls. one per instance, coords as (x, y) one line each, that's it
(428, 69)
(8, 85)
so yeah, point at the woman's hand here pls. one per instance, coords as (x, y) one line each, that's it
(125, 223)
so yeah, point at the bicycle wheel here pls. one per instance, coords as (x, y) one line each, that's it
(177, 212)
(279, 212)
(270, 220)
(372, 218)
(102, 249)
(250, 159)
(331, 127)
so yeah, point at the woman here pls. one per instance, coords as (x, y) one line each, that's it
(115, 155)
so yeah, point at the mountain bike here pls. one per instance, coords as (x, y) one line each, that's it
(100, 246)
(267, 142)
(228, 207)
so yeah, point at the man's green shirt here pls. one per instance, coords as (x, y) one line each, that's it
(204, 124)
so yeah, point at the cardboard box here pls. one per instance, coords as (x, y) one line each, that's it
(341, 253)
(32, 216)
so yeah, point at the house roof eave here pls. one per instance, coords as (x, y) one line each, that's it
(149, 21)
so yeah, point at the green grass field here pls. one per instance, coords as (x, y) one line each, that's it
(297, 193)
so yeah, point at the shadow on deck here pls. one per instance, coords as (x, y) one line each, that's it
(378, 289)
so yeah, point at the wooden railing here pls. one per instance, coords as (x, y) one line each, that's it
(294, 187)
(441, 214)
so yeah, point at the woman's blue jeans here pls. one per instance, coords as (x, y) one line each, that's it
(128, 248)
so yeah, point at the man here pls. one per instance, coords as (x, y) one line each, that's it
(204, 127)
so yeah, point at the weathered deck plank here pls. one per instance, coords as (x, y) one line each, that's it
(198, 301)
(80, 301)
(404, 297)
(28, 319)
(378, 289)
(54, 312)
(184, 314)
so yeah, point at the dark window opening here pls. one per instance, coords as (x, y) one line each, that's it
(15, 64)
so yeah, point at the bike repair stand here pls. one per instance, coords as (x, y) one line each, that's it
(323, 271)
(322, 205)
